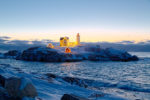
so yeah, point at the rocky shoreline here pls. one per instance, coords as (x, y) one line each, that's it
(43, 54)
(17, 85)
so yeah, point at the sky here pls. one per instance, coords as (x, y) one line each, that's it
(95, 20)
(131, 46)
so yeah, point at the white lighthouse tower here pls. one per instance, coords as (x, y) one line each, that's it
(78, 39)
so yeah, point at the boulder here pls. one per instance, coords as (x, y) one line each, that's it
(20, 87)
(4, 95)
(2, 80)
(134, 58)
(72, 97)
(50, 75)
(75, 81)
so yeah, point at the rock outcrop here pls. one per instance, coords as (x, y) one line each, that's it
(111, 54)
(41, 54)
(72, 97)
(94, 53)
(2, 80)
(3, 94)
(49, 75)
(75, 81)
(72, 57)
(71, 80)
(12, 54)
(20, 88)
(118, 55)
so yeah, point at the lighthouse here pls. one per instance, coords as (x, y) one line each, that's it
(78, 39)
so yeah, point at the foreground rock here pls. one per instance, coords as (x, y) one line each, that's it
(3, 94)
(71, 80)
(2, 80)
(20, 88)
(72, 97)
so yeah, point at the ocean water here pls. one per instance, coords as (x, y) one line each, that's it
(130, 80)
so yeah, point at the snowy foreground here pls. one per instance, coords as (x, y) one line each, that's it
(50, 86)
(80, 53)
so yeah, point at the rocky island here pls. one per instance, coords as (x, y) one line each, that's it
(79, 53)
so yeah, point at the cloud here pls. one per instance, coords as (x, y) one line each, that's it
(128, 46)
(126, 42)
(7, 44)
(4, 37)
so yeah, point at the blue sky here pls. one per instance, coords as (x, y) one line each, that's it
(96, 20)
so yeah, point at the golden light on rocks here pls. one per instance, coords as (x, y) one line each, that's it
(50, 45)
(67, 50)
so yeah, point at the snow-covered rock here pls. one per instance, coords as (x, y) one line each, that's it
(41, 54)
(98, 57)
(111, 54)
(20, 87)
(12, 54)
(93, 53)
(118, 55)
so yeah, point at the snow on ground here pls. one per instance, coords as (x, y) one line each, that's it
(53, 89)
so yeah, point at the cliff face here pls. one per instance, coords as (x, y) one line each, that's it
(78, 54)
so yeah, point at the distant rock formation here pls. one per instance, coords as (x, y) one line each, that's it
(12, 54)
(111, 54)
(92, 53)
